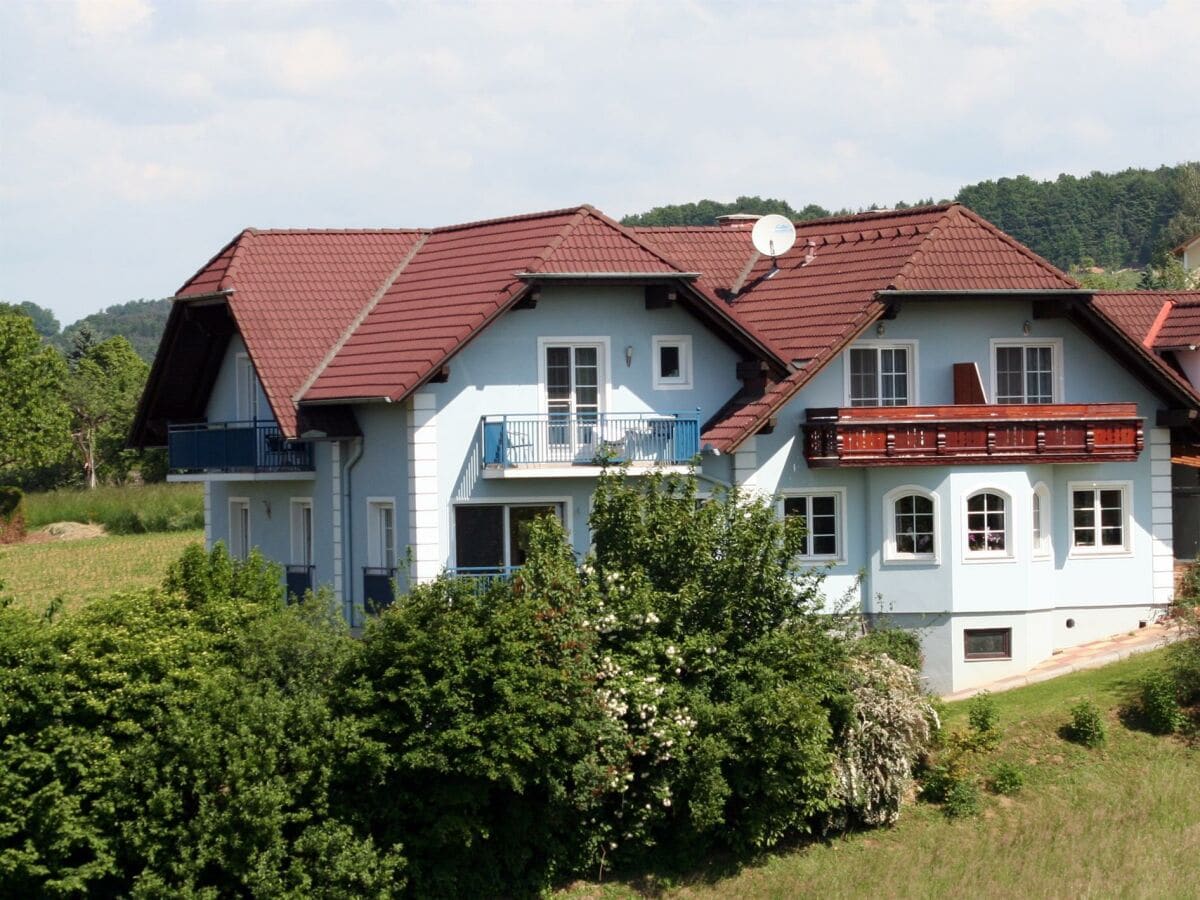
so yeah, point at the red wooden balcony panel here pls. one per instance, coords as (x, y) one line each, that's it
(935, 435)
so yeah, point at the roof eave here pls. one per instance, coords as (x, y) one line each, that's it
(986, 292)
(532, 277)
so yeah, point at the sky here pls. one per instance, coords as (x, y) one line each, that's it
(138, 136)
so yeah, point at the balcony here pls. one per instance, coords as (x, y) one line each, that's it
(566, 444)
(237, 449)
(298, 580)
(379, 584)
(972, 434)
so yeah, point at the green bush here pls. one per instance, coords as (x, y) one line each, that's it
(12, 514)
(1159, 705)
(901, 645)
(1087, 725)
(684, 692)
(182, 742)
(1006, 778)
(129, 509)
(1184, 656)
(962, 799)
(983, 715)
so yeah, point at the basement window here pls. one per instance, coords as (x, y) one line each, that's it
(987, 643)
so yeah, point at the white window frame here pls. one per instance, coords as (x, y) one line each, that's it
(239, 503)
(913, 367)
(375, 552)
(247, 387)
(1008, 554)
(1056, 362)
(890, 554)
(1040, 534)
(684, 380)
(299, 551)
(1126, 548)
(564, 504)
(603, 358)
(839, 495)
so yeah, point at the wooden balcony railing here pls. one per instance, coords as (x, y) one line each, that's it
(979, 434)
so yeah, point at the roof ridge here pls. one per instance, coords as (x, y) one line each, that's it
(523, 217)
(625, 232)
(557, 241)
(918, 254)
(1159, 321)
(1013, 242)
(371, 303)
(235, 260)
(355, 231)
(229, 243)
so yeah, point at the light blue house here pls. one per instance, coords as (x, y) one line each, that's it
(979, 448)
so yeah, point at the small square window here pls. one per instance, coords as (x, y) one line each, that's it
(672, 361)
(987, 643)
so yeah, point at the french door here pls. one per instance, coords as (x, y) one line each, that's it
(573, 380)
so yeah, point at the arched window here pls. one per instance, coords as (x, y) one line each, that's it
(988, 524)
(910, 515)
(1041, 520)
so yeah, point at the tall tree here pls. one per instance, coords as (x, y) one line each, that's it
(105, 381)
(34, 419)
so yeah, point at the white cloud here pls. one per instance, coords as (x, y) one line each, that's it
(212, 116)
(108, 18)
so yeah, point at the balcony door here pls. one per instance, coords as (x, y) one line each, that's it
(491, 537)
(574, 379)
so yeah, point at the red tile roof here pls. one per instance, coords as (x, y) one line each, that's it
(294, 293)
(812, 309)
(1134, 312)
(343, 315)
(1162, 320)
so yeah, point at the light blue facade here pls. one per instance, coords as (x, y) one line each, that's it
(423, 455)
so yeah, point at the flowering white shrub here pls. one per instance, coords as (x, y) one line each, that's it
(891, 723)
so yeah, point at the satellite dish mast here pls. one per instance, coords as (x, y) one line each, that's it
(773, 236)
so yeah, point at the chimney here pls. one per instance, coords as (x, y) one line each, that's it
(738, 220)
(753, 374)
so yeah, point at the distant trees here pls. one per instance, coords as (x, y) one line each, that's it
(34, 419)
(1126, 219)
(705, 212)
(141, 322)
(65, 419)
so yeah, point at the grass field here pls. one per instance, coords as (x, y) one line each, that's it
(77, 570)
(129, 509)
(1119, 821)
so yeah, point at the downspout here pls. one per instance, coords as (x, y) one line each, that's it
(348, 530)
(868, 602)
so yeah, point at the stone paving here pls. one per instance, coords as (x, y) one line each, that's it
(1086, 656)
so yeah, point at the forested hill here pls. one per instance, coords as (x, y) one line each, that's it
(1118, 220)
(141, 322)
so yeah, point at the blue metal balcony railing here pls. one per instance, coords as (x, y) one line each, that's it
(235, 447)
(582, 439)
(483, 576)
(378, 588)
(299, 581)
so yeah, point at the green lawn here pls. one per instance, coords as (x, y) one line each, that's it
(1119, 821)
(77, 570)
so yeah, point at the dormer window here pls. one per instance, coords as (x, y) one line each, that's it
(672, 361)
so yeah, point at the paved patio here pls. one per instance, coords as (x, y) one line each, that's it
(1085, 656)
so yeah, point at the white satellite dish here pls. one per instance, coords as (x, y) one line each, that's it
(773, 235)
